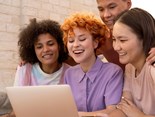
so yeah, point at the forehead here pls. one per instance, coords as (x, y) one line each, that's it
(45, 37)
(122, 30)
(105, 3)
(78, 31)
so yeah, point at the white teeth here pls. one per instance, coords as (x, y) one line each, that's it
(121, 54)
(77, 51)
(47, 56)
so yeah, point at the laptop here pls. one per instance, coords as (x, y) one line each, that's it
(42, 101)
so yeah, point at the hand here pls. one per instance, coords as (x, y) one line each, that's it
(129, 108)
(96, 115)
(151, 58)
(21, 63)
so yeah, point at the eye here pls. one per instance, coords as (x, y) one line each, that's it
(100, 9)
(38, 46)
(70, 40)
(112, 6)
(123, 41)
(82, 39)
(51, 43)
(113, 39)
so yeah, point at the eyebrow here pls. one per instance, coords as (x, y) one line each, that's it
(99, 7)
(120, 37)
(81, 35)
(113, 3)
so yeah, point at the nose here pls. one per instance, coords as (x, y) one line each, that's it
(116, 46)
(106, 13)
(76, 43)
(45, 48)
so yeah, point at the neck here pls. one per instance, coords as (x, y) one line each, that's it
(86, 66)
(50, 68)
(139, 65)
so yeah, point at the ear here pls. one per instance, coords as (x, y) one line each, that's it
(95, 43)
(129, 3)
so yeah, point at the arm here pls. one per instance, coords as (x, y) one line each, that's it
(5, 105)
(23, 75)
(103, 112)
(126, 108)
(118, 112)
(130, 109)
(20, 73)
(16, 80)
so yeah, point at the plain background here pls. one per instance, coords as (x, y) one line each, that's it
(147, 5)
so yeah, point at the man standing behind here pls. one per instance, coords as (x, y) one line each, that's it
(109, 10)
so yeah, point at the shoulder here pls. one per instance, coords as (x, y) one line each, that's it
(112, 67)
(129, 70)
(112, 72)
(66, 66)
(72, 70)
(24, 68)
(27, 65)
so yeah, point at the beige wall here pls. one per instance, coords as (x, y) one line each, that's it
(14, 14)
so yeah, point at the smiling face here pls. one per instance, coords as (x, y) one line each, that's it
(127, 44)
(110, 9)
(46, 49)
(81, 45)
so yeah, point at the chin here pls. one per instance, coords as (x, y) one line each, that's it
(76, 60)
(123, 61)
(110, 27)
(79, 61)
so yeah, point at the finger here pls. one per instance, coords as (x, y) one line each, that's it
(123, 100)
(152, 50)
(151, 61)
(128, 101)
(121, 106)
(151, 57)
(124, 107)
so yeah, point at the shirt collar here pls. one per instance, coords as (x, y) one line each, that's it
(92, 73)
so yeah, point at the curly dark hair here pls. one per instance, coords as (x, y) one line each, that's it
(29, 35)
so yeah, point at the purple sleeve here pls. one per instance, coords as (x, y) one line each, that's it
(114, 88)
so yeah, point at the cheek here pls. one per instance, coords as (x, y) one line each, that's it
(37, 52)
(68, 46)
(55, 48)
(101, 14)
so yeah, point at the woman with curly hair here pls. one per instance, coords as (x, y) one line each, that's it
(96, 85)
(41, 47)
